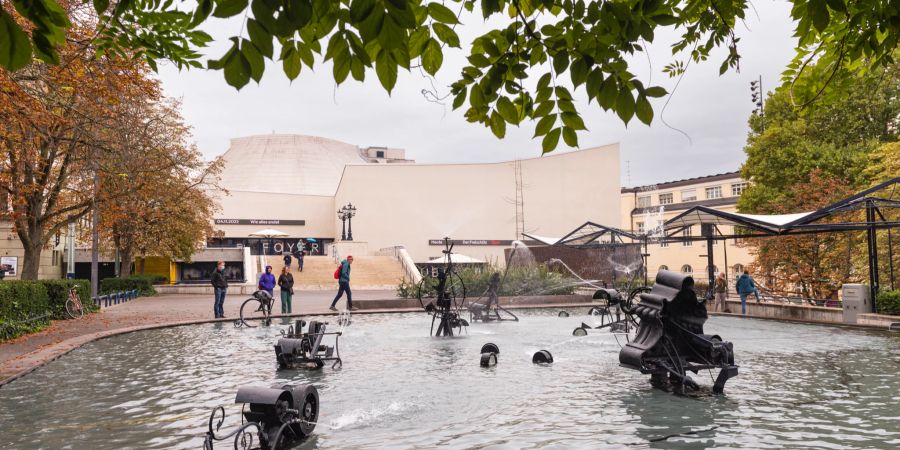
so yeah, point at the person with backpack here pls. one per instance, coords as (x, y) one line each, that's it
(342, 274)
(286, 283)
(220, 287)
(287, 260)
(745, 286)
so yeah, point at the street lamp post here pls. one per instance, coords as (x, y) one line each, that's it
(343, 216)
(351, 211)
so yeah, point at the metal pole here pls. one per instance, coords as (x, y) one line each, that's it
(95, 237)
(872, 240)
(710, 270)
(350, 227)
(70, 244)
(891, 258)
(343, 227)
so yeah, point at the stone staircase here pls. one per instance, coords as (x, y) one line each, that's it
(368, 272)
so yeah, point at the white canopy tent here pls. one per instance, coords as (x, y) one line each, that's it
(457, 258)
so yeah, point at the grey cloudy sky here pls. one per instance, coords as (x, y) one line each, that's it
(711, 109)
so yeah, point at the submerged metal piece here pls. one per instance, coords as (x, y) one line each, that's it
(264, 308)
(489, 310)
(670, 342)
(299, 350)
(273, 417)
(542, 357)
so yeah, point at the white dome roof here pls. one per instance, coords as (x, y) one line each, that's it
(287, 163)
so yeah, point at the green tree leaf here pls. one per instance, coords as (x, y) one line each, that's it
(290, 59)
(625, 104)
(15, 48)
(386, 69)
(507, 110)
(551, 140)
(237, 68)
(254, 59)
(498, 125)
(570, 137)
(228, 8)
(643, 110)
(432, 57)
(446, 34)
(441, 13)
(544, 125)
(260, 38)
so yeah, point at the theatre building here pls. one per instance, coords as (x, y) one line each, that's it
(284, 192)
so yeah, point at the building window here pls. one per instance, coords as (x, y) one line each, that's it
(738, 269)
(715, 270)
(714, 192)
(663, 267)
(689, 195)
(737, 189)
(687, 269)
(687, 234)
(640, 227)
(665, 199)
(643, 202)
(379, 153)
(664, 242)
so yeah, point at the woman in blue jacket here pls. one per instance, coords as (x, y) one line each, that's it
(267, 281)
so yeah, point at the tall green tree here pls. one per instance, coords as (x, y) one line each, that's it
(516, 71)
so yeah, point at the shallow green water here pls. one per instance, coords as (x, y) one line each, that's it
(800, 386)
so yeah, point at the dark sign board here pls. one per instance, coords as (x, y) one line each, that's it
(259, 222)
(504, 242)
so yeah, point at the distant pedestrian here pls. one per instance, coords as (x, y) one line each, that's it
(721, 293)
(286, 283)
(287, 260)
(344, 284)
(300, 259)
(745, 286)
(220, 286)
(267, 281)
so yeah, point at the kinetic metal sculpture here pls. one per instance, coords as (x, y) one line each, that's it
(616, 304)
(670, 342)
(299, 350)
(278, 416)
(446, 308)
(262, 313)
(489, 310)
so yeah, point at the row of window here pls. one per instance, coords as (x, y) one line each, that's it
(690, 195)
(737, 268)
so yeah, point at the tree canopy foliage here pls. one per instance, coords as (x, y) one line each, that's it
(582, 44)
(804, 161)
(86, 131)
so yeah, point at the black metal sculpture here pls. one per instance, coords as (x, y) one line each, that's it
(615, 311)
(490, 310)
(262, 313)
(450, 296)
(669, 341)
(273, 417)
(299, 350)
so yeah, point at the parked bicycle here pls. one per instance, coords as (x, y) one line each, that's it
(74, 307)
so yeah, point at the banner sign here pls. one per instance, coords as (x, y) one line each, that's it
(472, 242)
(259, 222)
(9, 265)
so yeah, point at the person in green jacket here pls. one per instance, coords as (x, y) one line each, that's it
(344, 285)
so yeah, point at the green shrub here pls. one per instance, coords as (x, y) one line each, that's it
(536, 280)
(143, 284)
(888, 302)
(24, 308)
(58, 294)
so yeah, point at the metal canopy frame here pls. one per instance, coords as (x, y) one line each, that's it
(808, 223)
(588, 233)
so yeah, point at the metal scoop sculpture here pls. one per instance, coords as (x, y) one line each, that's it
(450, 296)
(487, 308)
(306, 350)
(669, 341)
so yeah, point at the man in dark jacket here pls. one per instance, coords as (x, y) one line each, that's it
(220, 286)
(344, 285)
(287, 260)
(300, 255)
(745, 286)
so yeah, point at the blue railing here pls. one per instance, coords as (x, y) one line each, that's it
(115, 298)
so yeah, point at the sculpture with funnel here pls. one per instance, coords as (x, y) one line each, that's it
(446, 308)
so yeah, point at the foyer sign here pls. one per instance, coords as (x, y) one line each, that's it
(259, 222)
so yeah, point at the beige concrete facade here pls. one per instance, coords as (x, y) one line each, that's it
(644, 207)
(11, 247)
(401, 203)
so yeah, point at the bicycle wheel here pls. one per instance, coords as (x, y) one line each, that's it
(74, 309)
(261, 313)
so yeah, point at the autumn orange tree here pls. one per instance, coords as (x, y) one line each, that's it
(62, 129)
(170, 212)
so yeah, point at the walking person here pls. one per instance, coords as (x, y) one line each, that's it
(286, 283)
(745, 286)
(721, 290)
(300, 259)
(287, 260)
(344, 284)
(220, 286)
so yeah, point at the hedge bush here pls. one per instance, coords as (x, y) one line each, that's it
(888, 302)
(536, 280)
(24, 308)
(58, 293)
(144, 285)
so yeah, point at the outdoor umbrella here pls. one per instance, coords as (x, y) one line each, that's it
(268, 233)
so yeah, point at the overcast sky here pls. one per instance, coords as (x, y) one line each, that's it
(709, 108)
